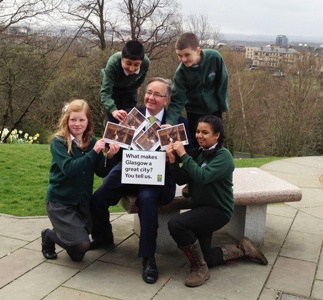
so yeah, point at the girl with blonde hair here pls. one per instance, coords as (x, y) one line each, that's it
(76, 157)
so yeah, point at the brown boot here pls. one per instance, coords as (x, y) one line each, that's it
(251, 251)
(245, 249)
(199, 271)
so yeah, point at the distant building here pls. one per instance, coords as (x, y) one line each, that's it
(282, 41)
(273, 57)
(250, 52)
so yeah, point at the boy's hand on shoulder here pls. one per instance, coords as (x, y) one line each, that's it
(120, 115)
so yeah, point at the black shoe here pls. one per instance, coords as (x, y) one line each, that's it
(48, 249)
(98, 243)
(150, 272)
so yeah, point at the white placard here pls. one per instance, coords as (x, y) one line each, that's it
(143, 167)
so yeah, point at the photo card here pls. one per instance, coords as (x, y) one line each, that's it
(135, 120)
(149, 140)
(135, 138)
(120, 134)
(172, 134)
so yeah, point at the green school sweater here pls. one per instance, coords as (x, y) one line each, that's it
(115, 78)
(71, 177)
(209, 178)
(202, 89)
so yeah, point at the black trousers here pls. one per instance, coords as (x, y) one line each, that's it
(149, 197)
(199, 224)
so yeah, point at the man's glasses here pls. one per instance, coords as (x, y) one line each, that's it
(155, 95)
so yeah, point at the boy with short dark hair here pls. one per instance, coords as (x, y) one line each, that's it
(123, 75)
(200, 83)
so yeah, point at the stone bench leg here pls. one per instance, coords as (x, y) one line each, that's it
(165, 243)
(248, 221)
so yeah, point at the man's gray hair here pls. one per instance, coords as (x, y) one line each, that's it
(167, 82)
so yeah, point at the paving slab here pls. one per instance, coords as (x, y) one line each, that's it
(18, 263)
(8, 245)
(308, 224)
(316, 212)
(303, 246)
(25, 229)
(319, 273)
(311, 197)
(115, 281)
(292, 275)
(38, 282)
(293, 247)
(69, 294)
(317, 291)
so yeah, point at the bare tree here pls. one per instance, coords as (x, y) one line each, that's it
(154, 22)
(295, 108)
(208, 35)
(95, 25)
(17, 63)
(14, 12)
(246, 122)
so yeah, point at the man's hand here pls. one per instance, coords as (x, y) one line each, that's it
(165, 125)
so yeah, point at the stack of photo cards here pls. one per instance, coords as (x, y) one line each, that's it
(120, 134)
(148, 140)
(135, 133)
(134, 140)
(171, 135)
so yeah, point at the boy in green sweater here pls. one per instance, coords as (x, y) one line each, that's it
(200, 83)
(123, 75)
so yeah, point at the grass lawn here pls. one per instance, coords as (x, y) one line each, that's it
(24, 173)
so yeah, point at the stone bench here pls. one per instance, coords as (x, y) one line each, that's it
(253, 189)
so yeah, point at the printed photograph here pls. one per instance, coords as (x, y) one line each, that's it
(149, 140)
(172, 134)
(134, 140)
(136, 120)
(116, 133)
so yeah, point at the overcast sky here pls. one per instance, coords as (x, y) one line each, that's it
(274, 17)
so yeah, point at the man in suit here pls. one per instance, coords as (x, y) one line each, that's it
(157, 95)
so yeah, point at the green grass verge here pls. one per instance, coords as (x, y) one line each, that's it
(253, 162)
(24, 173)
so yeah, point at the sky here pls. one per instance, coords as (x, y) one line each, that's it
(256, 17)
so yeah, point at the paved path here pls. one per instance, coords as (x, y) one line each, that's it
(293, 246)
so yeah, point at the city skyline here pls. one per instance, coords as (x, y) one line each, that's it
(293, 18)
